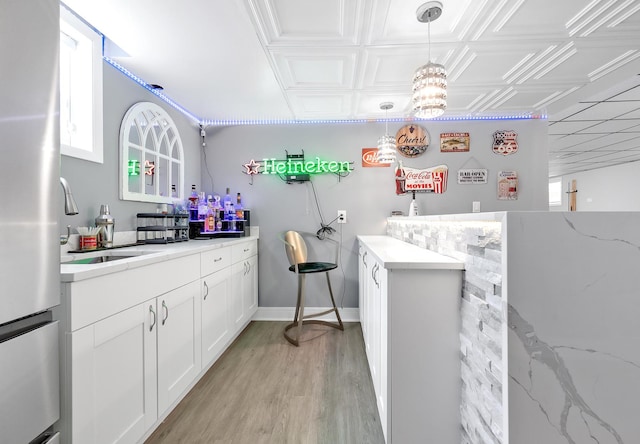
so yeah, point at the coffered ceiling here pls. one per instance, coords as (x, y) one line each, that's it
(575, 61)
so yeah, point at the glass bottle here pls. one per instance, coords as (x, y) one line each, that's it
(239, 208)
(193, 203)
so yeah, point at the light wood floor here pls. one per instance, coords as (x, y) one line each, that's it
(264, 390)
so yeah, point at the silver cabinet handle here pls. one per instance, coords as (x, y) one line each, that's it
(364, 258)
(166, 311)
(217, 260)
(374, 272)
(246, 249)
(153, 323)
(206, 287)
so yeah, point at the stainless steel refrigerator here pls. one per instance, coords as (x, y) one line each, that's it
(29, 204)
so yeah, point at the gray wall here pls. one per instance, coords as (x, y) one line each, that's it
(94, 184)
(368, 194)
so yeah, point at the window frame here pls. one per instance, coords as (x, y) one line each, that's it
(553, 182)
(92, 150)
(163, 145)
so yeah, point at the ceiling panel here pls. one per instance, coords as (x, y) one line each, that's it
(338, 59)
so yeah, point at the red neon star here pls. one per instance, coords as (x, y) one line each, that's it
(149, 168)
(252, 167)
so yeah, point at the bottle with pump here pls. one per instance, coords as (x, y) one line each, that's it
(413, 208)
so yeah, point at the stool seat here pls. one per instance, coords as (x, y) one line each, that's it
(296, 250)
(313, 267)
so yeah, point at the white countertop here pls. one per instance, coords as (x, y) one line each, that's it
(395, 254)
(143, 255)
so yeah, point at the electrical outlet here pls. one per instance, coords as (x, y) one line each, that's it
(342, 216)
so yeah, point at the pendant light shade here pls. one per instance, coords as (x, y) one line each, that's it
(386, 143)
(429, 97)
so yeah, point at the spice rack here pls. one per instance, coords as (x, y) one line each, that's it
(159, 228)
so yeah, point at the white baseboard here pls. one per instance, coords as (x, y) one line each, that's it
(286, 313)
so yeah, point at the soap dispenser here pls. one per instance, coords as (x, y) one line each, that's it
(413, 208)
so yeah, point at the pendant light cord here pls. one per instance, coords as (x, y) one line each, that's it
(429, 34)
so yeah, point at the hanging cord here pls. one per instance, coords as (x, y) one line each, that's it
(325, 229)
(203, 134)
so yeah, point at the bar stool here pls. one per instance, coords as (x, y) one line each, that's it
(296, 250)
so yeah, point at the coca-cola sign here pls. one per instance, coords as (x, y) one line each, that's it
(428, 180)
(370, 158)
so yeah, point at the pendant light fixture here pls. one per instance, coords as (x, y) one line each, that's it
(430, 80)
(386, 143)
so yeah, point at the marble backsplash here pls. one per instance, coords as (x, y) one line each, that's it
(550, 336)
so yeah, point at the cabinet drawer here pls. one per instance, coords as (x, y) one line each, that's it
(214, 260)
(243, 251)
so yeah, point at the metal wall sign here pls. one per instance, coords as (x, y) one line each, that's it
(454, 142)
(370, 159)
(507, 185)
(505, 142)
(412, 140)
(472, 176)
(427, 180)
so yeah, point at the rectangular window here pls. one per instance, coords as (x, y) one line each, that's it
(80, 89)
(555, 192)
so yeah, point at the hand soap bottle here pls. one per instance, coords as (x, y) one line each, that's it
(413, 208)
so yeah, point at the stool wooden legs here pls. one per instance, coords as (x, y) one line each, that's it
(299, 318)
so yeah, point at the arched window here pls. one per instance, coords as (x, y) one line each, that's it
(151, 155)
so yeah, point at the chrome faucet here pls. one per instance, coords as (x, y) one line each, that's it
(70, 208)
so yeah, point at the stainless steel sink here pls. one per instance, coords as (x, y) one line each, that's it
(103, 258)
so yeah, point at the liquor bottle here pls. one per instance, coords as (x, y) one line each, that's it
(227, 204)
(413, 208)
(239, 208)
(210, 223)
(202, 206)
(193, 204)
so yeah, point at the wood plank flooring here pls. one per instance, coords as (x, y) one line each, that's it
(264, 390)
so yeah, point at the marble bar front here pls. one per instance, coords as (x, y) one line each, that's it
(550, 331)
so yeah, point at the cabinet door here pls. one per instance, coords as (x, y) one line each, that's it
(362, 289)
(238, 273)
(216, 330)
(381, 393)
(179, 342)
(374, 325)
(113, 373)
(251, 287)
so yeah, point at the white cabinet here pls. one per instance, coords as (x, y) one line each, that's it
(135, 340)
(179, 349)
(131, 366)
(216, 323)
(410, 320)
(373, 316)
(244, 283)
(113, 378)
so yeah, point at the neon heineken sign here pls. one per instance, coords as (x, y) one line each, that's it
(297, 165)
